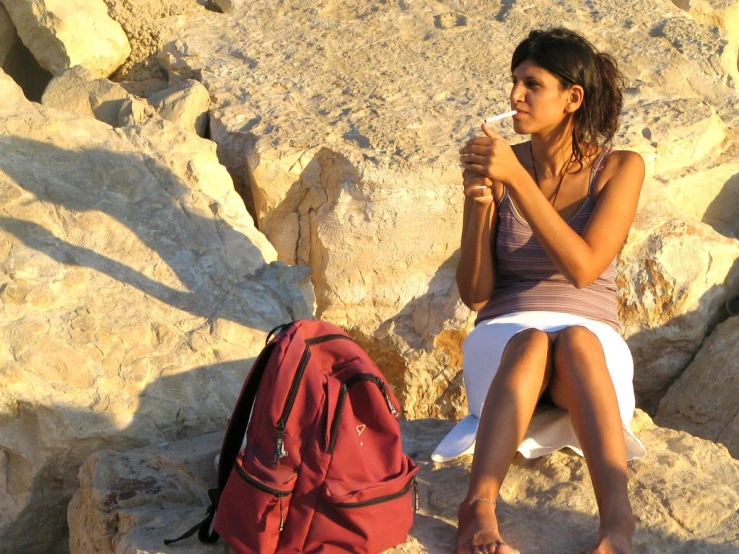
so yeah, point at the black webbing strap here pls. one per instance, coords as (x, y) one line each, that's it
(204, 528)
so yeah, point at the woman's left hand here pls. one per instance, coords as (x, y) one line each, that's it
(491, 156)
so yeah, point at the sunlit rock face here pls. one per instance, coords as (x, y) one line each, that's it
(65, 33)
(703, 400)
(134, 294)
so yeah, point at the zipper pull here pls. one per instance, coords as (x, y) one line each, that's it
(280, 450)
(415, 495)
(387, 399)
(282, 516)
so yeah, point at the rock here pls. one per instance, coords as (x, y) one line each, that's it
(118, 491)
(220, 6)
(145, 23)
(672, 134)
(702, 401)
(709, 194)
(717, 13)
(674, 277)
(707, 46)
(8, 35)
(136, 112)
(65, 33)
(683, 493)
(77, 90)
(135, 293)
(185, 104)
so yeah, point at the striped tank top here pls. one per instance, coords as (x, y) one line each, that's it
(527, 280)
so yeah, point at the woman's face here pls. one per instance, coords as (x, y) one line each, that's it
(542, 104)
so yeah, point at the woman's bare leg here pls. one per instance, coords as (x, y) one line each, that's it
(582, 385)
(522, 376)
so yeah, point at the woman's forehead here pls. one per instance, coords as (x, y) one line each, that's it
(528, 68)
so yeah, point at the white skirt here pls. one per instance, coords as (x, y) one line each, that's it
(551, 428)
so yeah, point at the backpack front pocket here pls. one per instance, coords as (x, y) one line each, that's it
(365, 517)
(254, 505)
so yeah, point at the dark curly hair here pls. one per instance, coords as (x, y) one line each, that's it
(573, 60)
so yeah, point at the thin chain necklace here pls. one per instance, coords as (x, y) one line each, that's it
(536, 177)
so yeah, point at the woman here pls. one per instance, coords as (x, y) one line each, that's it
(543, 223)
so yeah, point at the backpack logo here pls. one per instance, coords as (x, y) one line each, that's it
(360, 430)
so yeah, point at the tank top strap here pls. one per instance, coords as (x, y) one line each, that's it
(597, 167)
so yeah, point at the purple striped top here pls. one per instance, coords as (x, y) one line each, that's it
(527, 280)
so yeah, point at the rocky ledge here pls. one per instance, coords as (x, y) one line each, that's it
(684, 497)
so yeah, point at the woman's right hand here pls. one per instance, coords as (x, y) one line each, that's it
(477, 186)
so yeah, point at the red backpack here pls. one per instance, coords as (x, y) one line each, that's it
(323, 468)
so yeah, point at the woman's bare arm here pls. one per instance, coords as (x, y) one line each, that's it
(476, 267)
(581, 259)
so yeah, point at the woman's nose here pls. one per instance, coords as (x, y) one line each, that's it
(517, 93)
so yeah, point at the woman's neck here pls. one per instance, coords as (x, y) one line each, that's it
(552, 154)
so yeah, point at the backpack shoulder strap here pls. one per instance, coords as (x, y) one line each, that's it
(232, 440)
(240, 417)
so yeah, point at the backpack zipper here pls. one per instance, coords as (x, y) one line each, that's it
(380, 499)
(380, 384)
(342, 397)
(280, 450)
(264, 488)
(261, 486)
(335, 422)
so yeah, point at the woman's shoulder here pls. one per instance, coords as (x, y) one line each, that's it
(623, 159)
(622, 166)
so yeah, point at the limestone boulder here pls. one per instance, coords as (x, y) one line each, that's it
(65, 33)
(707, 46)
(672, 134)
(707, 193)
(703, 401)
(185, 104)
(135, 293)
(136, 111)
(77, 90)
(674, 277)
(684, 497)
(8, 34)
(723, 14)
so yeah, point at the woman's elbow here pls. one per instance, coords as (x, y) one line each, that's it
(582, 279)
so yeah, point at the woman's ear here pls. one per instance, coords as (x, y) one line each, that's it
(575, 96)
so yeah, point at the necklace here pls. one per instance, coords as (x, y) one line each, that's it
(536, 177)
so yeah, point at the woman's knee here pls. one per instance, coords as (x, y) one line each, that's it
(526, 342)
(527, 350)
(577, 349)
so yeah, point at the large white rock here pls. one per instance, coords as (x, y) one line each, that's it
(672, 135)
(8, 34)
(674, 277)
(723, 14)
(65, 33)
(185, 104)
(684, 497)
(703, 401)
(134, 294)
(78, 91)
(342, 133)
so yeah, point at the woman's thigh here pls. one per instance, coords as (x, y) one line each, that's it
(483, 351)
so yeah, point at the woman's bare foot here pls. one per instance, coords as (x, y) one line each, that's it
(614, 537)
(478, 529)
